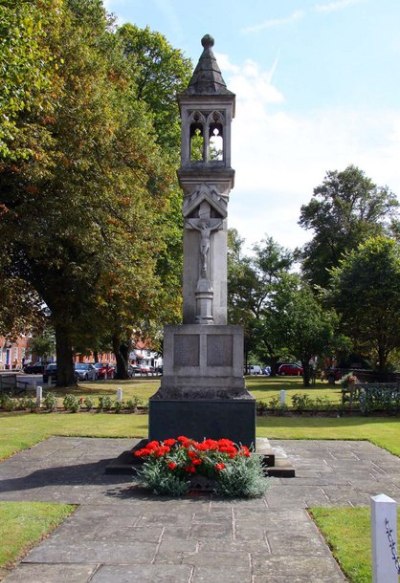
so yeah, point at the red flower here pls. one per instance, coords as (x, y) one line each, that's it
(190, 469)
(169, 442)
(152, 445)
(172, 465)
(245, 451)
(185, 441)
(219, 466)
(196, 461)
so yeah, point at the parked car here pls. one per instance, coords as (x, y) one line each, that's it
(254, 369)
(50, 372)
(266, 371)
(290, 369)
(35, 368)
(85, 371)
(104, 370)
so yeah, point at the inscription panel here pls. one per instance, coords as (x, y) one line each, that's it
(186, 350)
(219, 350)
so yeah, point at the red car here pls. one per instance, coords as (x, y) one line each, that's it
(294, 370)
(104, 370)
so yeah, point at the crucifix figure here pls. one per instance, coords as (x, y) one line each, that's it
(205, 225)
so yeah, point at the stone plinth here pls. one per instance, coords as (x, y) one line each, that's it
(202, 391)
(203, 361)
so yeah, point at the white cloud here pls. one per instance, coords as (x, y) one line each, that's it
(280, 157)
(273, 22)
(336, 5)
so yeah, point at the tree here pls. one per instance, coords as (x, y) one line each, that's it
(366, 293)
(81, 210)
(346, 209)
(43, 345)
(251, 285)
(305, 327)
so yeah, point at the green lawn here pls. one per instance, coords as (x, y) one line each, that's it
(348, 533)
(24, 524)
(22, 430)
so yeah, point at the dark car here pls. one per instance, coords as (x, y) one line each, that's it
(35, 368)
(294, 370)
(50, 372)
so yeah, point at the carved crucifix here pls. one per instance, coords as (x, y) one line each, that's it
(205, 225)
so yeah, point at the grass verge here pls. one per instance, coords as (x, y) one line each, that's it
(24, 524)
(348, 534)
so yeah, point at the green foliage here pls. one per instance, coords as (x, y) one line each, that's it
(89, 403)
(7, 402)
(380, 398)
(71, 403)
(50, 401)
(346, 209)
(105, 403)
(133, 403)
(154, 477)
(85, 210)
(243, 478)
(43, 345)
(366, 294)
(118, 406)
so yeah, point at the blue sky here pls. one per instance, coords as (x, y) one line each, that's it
(317, 85)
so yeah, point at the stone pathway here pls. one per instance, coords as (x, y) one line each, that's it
(120, 534)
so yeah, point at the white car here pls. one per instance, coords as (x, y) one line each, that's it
(85, 371)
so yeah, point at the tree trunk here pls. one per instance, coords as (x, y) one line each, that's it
(121, 351)
(65, 364)
(274, 366)
(96, 356)
(306, 372)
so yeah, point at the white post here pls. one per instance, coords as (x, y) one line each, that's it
(38, 397)
(119, 395)
(282, 397)
(383, 509)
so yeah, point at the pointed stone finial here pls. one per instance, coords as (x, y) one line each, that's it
(207, 41)
(207, 78)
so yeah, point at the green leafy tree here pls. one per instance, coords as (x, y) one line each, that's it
(300, 320)
(43, 345)
(81, 211)
(251, 285)
(346, 209)
(366, 294)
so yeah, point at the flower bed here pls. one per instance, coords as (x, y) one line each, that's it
(170, 467)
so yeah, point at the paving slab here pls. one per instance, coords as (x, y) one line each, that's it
(121, 533)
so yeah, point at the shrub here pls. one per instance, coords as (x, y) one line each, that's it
(118, 406)
(302, 402)
(105, 403)
(89, 403)
(133, 403)
(7, 403)
(50, 401)
(71, 403)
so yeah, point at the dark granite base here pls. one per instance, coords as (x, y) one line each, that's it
(234, 419)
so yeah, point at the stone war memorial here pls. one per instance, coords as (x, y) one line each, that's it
(202, 391)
